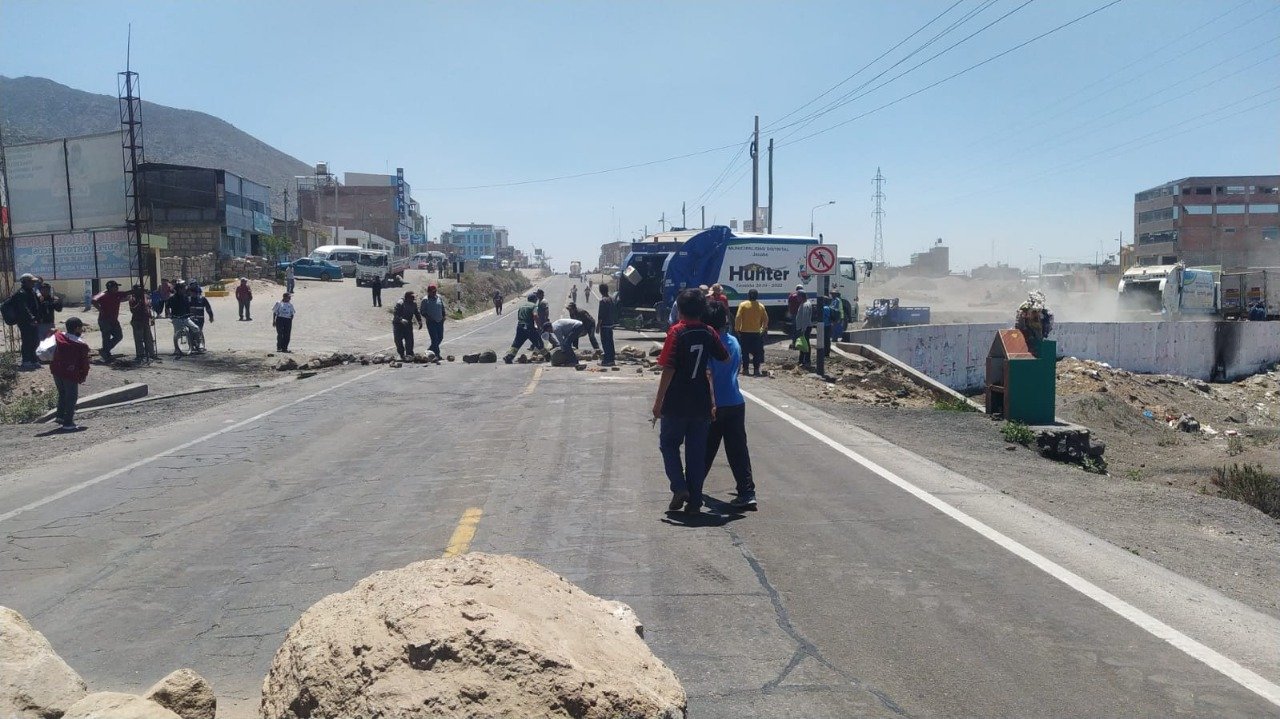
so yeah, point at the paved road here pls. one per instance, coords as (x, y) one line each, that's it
(871, 583)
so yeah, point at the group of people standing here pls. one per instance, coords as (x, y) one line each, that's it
(803, 315)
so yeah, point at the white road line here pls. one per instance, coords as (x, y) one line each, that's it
(147, 460)
(1225, 665)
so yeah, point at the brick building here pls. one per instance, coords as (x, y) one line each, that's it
(373, 203)
(612, 254)
(1229, 221)
(203, 210)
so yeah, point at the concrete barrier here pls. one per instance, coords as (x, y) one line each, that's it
(115, 395)
(956, 354)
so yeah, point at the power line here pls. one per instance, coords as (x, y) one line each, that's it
(852, 97)
(954, 75)
(860, 70)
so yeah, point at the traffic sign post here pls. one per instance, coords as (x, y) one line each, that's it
(821, 261)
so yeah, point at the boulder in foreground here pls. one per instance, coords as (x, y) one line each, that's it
(114, 705)
(475, 635)
(34, 681)
(186, 694)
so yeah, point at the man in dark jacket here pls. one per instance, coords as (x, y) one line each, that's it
(376, 285)
(588, 325)
(46, 312)
(402, 317)
(70, 368)
(607, 316)
(526, 327)
(25, 305)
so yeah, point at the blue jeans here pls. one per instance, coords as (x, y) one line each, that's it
(692, 433)
(606, 343)
(435, 330)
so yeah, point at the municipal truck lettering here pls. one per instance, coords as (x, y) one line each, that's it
(757, 273)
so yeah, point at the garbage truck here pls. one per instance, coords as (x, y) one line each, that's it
(660, 266)
(575, 269)
(1169, 290)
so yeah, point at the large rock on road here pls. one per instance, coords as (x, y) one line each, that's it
(475, 635)
(114, 705)
(34, 681)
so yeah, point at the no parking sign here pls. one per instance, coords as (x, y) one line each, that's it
(821, 260)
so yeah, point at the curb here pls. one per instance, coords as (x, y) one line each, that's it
(154, 398)
(875, 354)
(119, 395)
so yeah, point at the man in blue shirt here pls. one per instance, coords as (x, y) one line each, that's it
(731, 414)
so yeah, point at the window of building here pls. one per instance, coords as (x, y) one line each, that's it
(1264, 190)
(1198, 209)
(1168, 259)
(1228, 230)
(1230, 209)
(1271, 234)
(1166, 213)
(1256, 209)
(1233, 190)
(1151, 238)
(1157, 192)
(1204, 190)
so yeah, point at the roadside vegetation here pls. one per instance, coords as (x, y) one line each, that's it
(1249, 484)
(1017, 433)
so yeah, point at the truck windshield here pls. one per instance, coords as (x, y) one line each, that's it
(371, 260)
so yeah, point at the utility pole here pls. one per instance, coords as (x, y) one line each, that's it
(684, 220)
(770, 186)
(755, 174)
(704, 217)
(877, 251)
(663, 222)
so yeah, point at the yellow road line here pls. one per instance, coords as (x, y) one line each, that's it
(465, 531)
(528, 390)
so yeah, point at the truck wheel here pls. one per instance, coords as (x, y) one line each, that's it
(326, 277)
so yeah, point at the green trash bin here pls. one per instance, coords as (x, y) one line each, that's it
(1020, 383)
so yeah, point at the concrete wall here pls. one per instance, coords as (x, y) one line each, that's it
(956, 354)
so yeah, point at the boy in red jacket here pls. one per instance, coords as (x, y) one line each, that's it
(70, 368)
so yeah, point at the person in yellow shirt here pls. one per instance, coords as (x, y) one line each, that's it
(751, 324)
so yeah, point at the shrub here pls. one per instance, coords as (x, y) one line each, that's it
(953, 404)
(1235, 446)
(1251, 485)
(1017, 433)
(28, 407)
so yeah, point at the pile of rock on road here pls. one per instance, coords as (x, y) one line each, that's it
(468, 636)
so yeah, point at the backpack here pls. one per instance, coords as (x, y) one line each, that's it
(9, 310)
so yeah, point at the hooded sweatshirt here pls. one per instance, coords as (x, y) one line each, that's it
(70, 358)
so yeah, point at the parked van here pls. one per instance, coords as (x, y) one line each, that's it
(345, 256)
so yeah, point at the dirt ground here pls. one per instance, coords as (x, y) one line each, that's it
(954, 300)
(1132, 413)
(1158, 500)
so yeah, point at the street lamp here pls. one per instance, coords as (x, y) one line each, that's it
(815, 209)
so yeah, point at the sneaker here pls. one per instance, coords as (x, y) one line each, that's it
(677, 500)
(508, 358)
(70, 427)
(692, 511)
(745, 501)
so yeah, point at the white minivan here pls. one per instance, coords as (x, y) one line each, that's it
(344, 256)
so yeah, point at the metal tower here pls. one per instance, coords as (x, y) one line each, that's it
(877, 251)
(131, 142)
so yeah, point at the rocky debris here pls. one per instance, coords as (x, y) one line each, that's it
(449, 358)
(475, 635)
(522, 359)
(471, 358)
(395, 364)
(34, 681)
(328, 359)
(488, 357)
(1072, 445)
(655, 351)
(114, 705)
(286, 364)
(186, 694)
(563, 358)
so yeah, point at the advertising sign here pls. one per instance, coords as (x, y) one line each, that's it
(33, 254)
(97, 181)
(114, 257)
(65, 185)
(402, 202)
(74, 255)
(417, 238)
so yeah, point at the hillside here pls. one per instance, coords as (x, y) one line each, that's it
(35, 108)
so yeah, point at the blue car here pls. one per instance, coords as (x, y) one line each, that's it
(318, 269)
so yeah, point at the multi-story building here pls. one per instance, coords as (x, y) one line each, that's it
(373, 203)
(612, 254)
(934, 262)
(1229, 221)
(205, 210)
(475, 240)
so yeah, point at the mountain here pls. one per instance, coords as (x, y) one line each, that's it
(35, 108)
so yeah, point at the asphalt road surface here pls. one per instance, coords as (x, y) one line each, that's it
(870, 583)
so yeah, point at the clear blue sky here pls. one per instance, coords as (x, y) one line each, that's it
(1038, 152)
